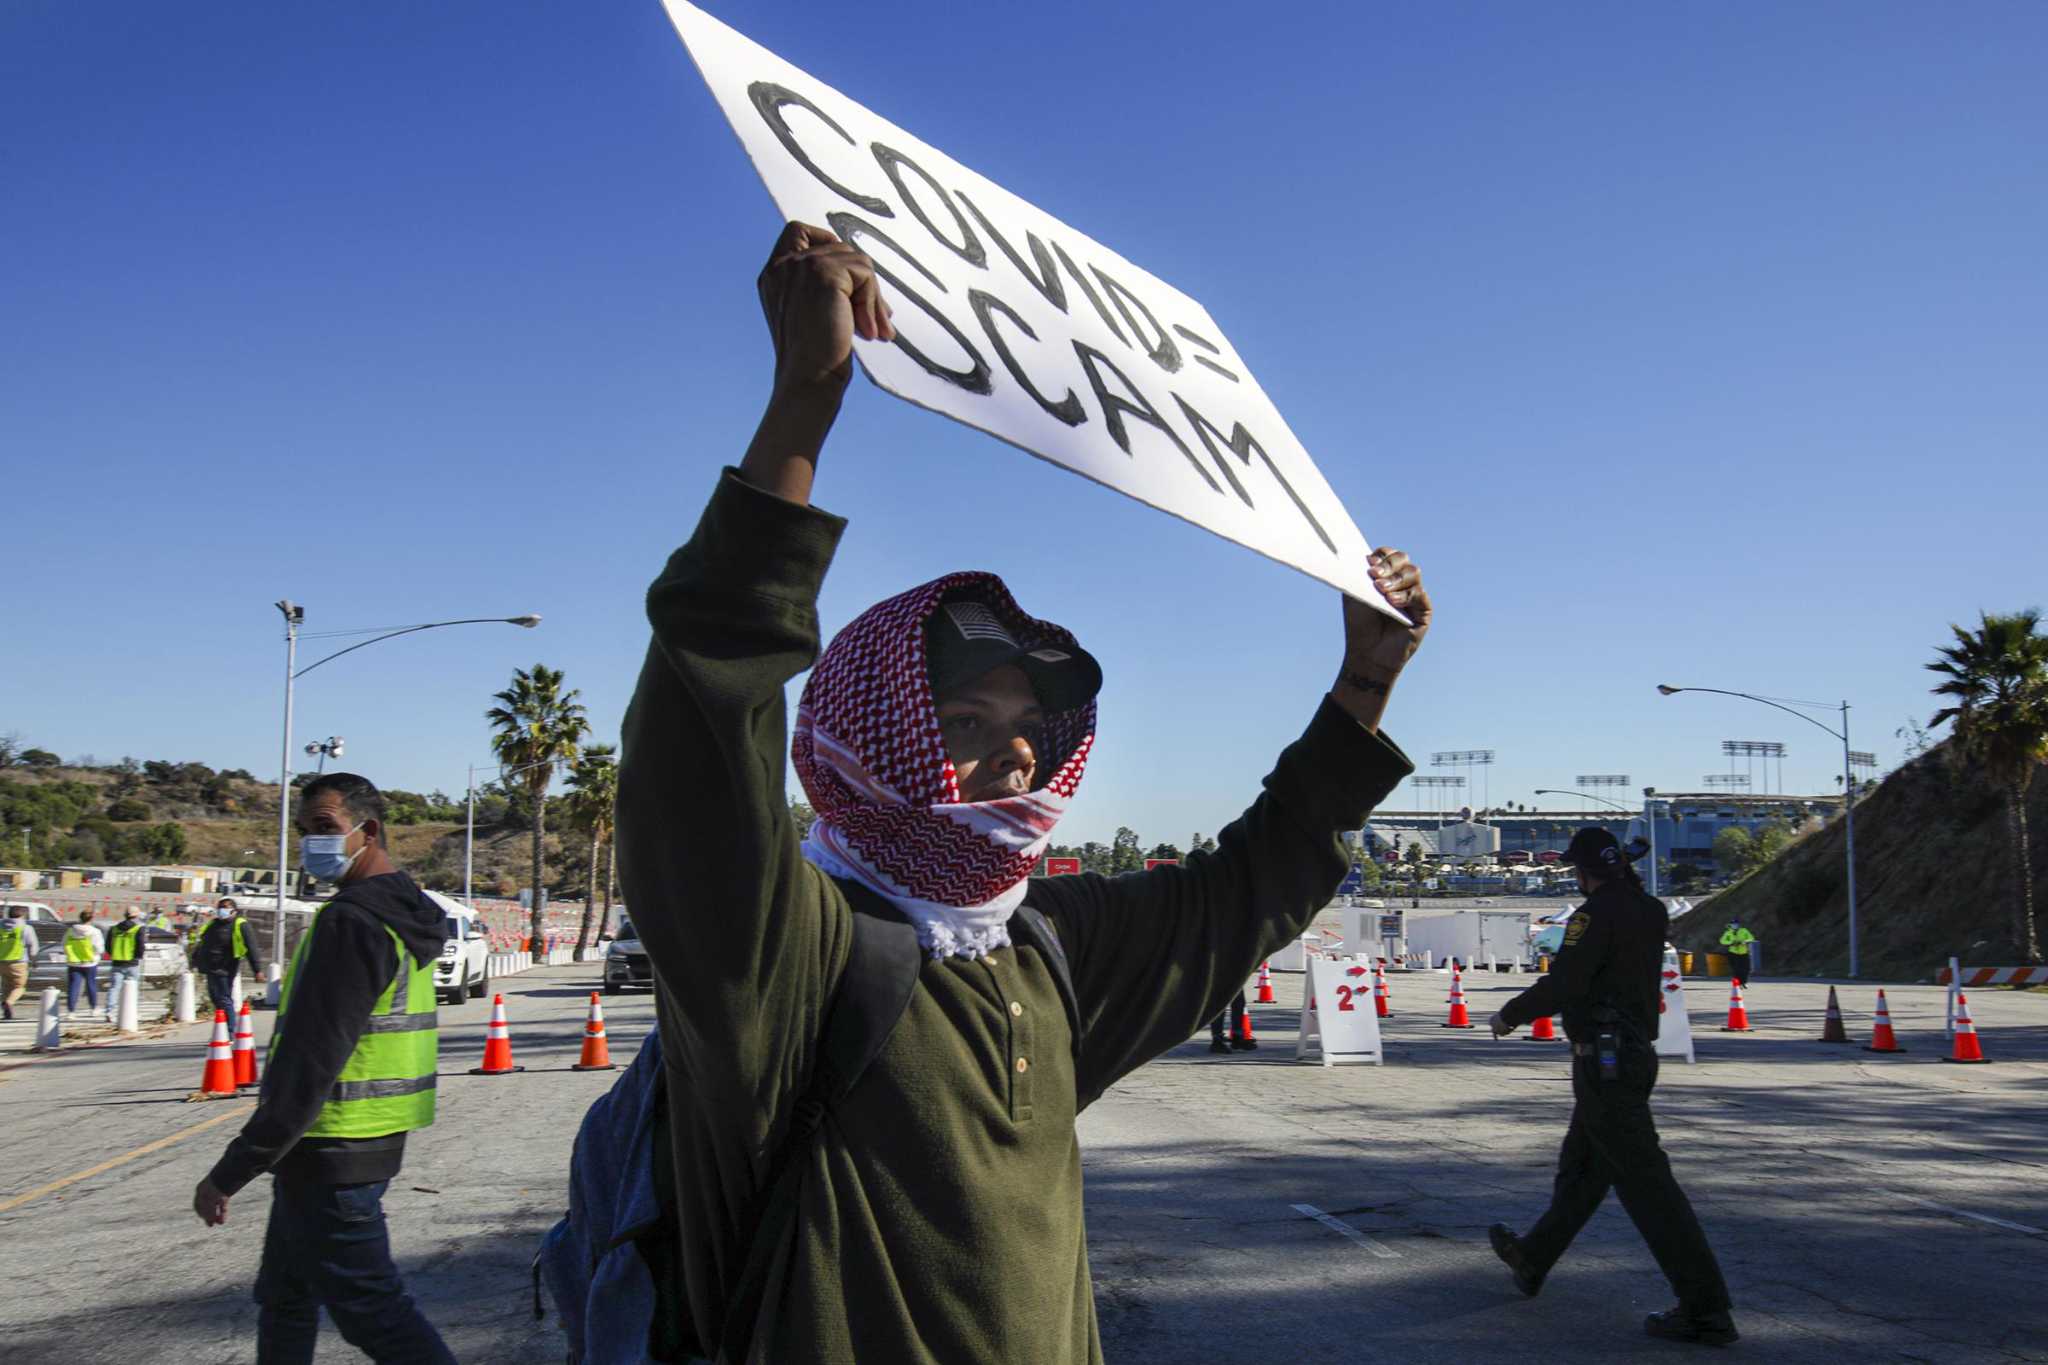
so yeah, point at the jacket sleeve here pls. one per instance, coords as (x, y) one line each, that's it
(1569, 982)
(348, 963)
(252, 950)
(1156, 954)
(745, 936)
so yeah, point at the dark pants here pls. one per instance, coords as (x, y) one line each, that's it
(86, 977)
(220, 987)
(327, 1245)
(1738, 967)
(1233, 1017)
(1612, 1144)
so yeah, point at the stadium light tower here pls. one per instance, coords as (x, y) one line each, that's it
(1786, 704)
(1429, 783)
(1469, 760)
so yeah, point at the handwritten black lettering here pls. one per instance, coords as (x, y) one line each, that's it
(1242, 444)
(851, 228)
(1114, 407)
(1047, 280)
(1089, 290)
(893, 162)
(986, 305)
(769, 101)
(1211, 347)
(1164, 353)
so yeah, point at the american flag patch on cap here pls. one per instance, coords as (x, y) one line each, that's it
(975, 621)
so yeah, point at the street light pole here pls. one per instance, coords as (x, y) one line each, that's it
(1848, 783)
(294, 617)
(1650, 824)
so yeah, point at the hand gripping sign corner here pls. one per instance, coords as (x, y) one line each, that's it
(1015, 324)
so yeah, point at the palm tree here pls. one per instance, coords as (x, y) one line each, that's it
(1998, 676)
(538, 725)
(594, 790)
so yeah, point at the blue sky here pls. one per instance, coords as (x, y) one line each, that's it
(1692, 344)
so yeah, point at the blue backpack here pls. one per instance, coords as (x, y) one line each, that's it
(608, 1263)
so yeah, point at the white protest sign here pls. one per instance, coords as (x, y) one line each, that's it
(1337, 1013)
(1012, 322)
(1674, 1025)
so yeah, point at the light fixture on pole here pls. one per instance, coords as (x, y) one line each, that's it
(1786, 705)
(1766, 749)
(294, 617)
(331, 747)
(1732, 781)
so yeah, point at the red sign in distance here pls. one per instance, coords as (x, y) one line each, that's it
(1062, 867)
(1151, 863)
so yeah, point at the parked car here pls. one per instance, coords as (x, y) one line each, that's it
(625, 961)
(464, 971)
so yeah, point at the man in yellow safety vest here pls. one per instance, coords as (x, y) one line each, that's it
(84, 946)
(1736, 940)
(17, 946)
(351, 1072)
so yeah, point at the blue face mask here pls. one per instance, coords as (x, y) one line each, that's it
(325, 855)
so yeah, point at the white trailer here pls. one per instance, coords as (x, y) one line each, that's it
(1471, 936)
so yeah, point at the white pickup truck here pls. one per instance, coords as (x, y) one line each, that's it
(464, 971)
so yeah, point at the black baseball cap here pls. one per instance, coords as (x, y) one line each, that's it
(1595, 848)
(965, 638)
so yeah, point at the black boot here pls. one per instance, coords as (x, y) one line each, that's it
(1218, 1045)
(1245, 1044)
(1508, 1247)
(1679, 1323)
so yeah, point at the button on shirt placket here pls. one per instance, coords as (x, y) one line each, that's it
(1020, 1050)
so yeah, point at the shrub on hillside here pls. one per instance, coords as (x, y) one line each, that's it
(128, 809)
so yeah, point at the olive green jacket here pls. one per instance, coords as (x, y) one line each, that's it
(938, 1218)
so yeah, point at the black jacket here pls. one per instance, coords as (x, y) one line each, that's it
(216, 950)
(1612, 955)
(344, 969)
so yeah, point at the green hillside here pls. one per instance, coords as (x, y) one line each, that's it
(1934, 874)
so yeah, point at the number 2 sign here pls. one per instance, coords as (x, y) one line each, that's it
(1337, 1017)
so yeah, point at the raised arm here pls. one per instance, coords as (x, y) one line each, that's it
(1157, 954)
(745, 937)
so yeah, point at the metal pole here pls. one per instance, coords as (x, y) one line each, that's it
(1650, 821)
(1849, 831)
(284, 784)
(469, 844)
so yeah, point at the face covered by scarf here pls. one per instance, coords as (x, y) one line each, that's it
(869, 752)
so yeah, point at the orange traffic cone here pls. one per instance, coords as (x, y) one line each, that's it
(1543, 1031)
(1882, 1039)
(219, 1076)
(1266, 996)
(1244, 1042)
(1967, 1048)
(1738, 1014)
(497, 1044)
(1457, 979)
(1459, 1017)
(1382, 1003)
(245, 1051)
(597, 1053)
(1832, 1031)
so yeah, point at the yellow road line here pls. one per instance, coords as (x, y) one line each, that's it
(144, 1150)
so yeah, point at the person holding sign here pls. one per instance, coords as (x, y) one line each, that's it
(1605, 982)
(931, 1212)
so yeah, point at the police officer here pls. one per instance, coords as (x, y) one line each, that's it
(1736, 940)
(1605, 982)
(358, 1002)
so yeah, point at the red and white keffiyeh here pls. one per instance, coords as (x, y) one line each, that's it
(868, 750)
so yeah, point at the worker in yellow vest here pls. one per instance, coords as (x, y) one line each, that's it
(350, 1073)
(124, 954)
(220, 950)
(1736, 940)
(84, 946)
(17, 949)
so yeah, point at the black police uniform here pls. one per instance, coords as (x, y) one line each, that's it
(1605, 981)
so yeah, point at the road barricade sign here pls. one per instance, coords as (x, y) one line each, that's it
(1674, 1025)
(1337, 1014)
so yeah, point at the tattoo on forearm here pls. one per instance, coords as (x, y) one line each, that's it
(1365, 684)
